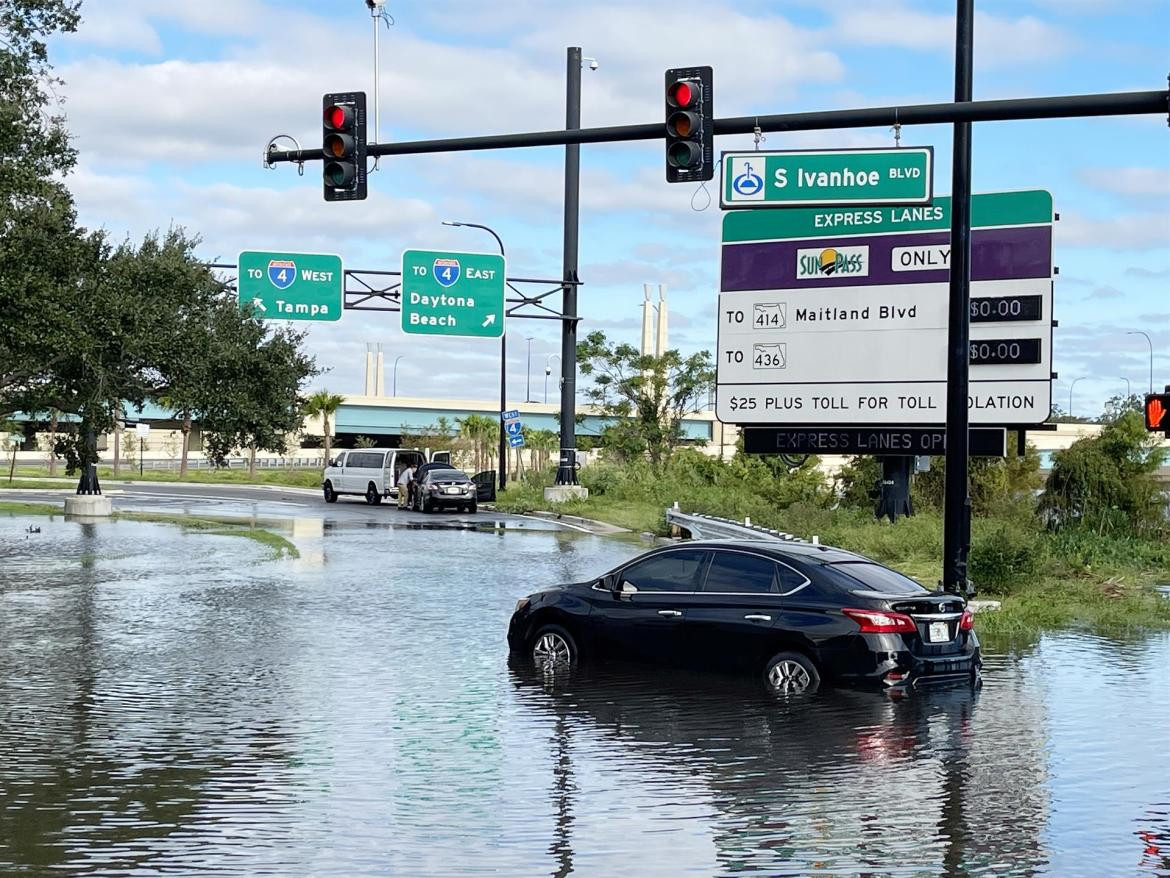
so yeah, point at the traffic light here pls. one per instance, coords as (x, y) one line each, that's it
(1158, 412)
(690, 125)
(343, 141)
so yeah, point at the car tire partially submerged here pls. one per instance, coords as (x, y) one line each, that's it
(554, 649)
(791, 673)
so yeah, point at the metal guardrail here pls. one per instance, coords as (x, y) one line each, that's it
(711, 527)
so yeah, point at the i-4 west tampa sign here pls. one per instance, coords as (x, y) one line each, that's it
(291, 286)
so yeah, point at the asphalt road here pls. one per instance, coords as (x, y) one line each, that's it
(259, 501)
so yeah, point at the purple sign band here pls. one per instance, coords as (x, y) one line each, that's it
(996, 254)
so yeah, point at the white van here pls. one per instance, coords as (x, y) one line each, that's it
(371, 472)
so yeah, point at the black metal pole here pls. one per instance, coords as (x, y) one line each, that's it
(141, 446)
(567, 466)
(956, 518)
(1055, 107)
(503, 462)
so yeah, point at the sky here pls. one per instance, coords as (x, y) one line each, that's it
(171, 104)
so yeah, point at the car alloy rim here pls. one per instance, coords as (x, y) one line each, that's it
(788, 676)
(551, 650)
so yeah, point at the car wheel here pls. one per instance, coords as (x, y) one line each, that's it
(330, 494)
(372, 495)
(424, 506)
(791, 673)
(554, 649)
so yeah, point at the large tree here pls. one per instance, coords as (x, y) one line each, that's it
(647, 396)
(324, 404)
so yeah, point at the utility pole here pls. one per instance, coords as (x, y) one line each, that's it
(957, 503)
(567, 465)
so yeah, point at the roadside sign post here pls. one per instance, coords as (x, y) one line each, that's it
(143, 430)
(291, 286)
(513, 428)
(450, 293)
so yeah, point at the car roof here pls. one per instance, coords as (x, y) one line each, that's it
(781, 549)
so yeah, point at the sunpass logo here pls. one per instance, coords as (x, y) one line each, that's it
(832, 262)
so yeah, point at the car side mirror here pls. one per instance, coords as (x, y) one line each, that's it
(333, 462)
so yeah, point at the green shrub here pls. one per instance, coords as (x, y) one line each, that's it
(1005, 557)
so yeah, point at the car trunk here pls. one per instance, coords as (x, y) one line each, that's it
(936, 616)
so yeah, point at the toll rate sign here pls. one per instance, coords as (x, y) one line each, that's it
(291, 286)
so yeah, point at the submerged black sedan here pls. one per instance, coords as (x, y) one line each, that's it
(794, 613)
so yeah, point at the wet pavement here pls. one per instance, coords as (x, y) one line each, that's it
(176, 703)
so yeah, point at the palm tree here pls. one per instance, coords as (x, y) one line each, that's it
(325, 404)
(482, 431)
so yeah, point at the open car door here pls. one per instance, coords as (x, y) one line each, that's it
(440, 457)
(485, 486)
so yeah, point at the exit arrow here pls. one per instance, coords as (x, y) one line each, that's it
(489, 320)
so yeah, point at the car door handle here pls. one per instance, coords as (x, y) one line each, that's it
(670, 613)
(758, 617)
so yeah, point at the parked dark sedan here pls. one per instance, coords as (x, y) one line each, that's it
(794, 613)
(444, 487)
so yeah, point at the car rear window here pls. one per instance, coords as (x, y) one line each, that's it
(875, 577)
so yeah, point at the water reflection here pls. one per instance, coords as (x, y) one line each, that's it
(172, 704)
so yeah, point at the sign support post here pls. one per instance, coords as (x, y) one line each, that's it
(957, 503)
(567, 465)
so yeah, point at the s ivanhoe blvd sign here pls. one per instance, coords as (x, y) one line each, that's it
(290, 286)
(828, 178)
(446, 293)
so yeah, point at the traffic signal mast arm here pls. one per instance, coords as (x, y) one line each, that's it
(1066, 106)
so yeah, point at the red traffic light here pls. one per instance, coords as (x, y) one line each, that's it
(339, 117)
(683, 94)
(1157, 409)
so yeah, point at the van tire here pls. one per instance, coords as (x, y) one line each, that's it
(372, 495)
(330, 494)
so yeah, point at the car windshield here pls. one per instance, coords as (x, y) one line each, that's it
(874, 577)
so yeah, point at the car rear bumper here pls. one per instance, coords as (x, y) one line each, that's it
(883, 660)
(451, 499)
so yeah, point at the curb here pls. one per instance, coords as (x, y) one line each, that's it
(600, 528)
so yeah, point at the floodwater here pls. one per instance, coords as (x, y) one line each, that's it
(178, 704)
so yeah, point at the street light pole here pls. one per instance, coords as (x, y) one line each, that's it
(503, 460)
(1070, 394)
(548, 371)
(567, 465)
(1151, 344)
(1128, 389)
(394, 383)
(528, 373)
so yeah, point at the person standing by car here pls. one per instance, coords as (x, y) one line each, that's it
(405, 480)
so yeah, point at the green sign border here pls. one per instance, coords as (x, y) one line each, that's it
(871, 159)
(267, 256)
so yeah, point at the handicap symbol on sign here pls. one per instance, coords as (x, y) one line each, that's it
(446, 271)
(749, 182)
(282, 273)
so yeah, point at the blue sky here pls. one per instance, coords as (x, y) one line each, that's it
(171, 105)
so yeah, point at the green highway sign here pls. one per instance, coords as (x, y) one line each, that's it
(827, 177)
(445, 293)
(291, 286)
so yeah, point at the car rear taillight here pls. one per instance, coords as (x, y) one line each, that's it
(967, 621)
(880, 622)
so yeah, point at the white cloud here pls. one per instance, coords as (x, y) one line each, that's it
(1134, 231)
(1130, 182)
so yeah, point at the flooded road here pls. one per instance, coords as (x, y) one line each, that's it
(177, 703)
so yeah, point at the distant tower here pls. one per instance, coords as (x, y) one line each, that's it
(647, 322)
(660, 344)
(369, 389)
(380, 372)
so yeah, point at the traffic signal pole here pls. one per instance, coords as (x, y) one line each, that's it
(567, 463)
(956, 502)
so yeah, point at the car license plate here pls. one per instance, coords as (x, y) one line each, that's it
(939, 632)
(452, 490)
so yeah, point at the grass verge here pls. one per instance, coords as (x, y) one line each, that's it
(278, 546)
(293, 478)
